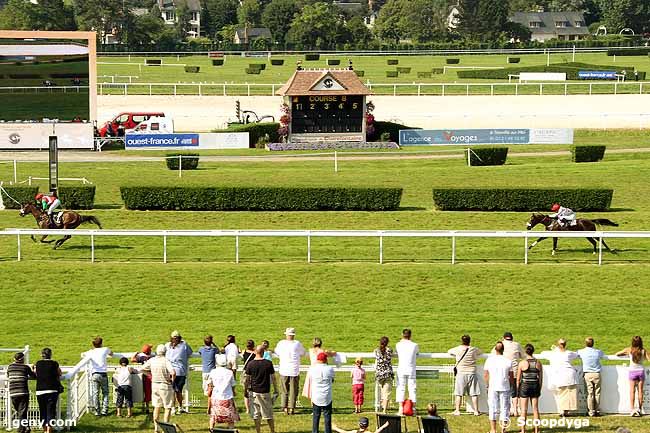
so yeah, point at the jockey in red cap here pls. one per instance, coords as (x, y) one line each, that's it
(565, 216)
(50, 204)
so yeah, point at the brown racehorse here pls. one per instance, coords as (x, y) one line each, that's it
(582, 225)
(69, 220)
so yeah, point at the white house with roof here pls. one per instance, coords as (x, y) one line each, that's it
(168, 10)
(568, 26)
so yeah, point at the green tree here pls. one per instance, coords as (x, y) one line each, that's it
(359, 33)
(278, 16)
(217, 14)
(102, 16)
(566, 5)
(46, 15)
(388, 25)
(250, 13)
(425, 20)
(483, 20)
(620, 14)
(183, 18)
(317, 26)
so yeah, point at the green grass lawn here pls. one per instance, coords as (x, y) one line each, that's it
(59, 299)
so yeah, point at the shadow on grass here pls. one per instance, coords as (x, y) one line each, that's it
(411, 209)
(97, 247)
(107, 206)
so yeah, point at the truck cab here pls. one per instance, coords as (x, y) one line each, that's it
(125, 121)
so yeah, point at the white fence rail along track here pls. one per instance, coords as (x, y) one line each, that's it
(308, 235)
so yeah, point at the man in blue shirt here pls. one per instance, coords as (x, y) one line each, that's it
(207, 352)
(591, 368)
(178, 353)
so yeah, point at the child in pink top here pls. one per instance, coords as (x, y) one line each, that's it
(358, 381)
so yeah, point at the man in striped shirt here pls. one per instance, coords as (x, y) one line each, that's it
(162, 379)
(18, 374)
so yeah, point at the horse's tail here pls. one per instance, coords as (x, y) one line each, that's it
(91, 219)
(604, 222)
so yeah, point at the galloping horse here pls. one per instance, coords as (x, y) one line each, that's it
(582, 225)
(69, 220)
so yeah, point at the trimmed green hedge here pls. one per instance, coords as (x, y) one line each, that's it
(192, 69)
(77, 197)
(424, 74)
(389, 128)
(22, 194)
(333, 62)
(520, 199)
(257, 131)
(277, 62)
(514, 59)
(438, 71)
(571, 69)
(587, 153)
(391, 74)
(260, 198)
(261, 66)
(189, 161)
(392, 62)
(312, 57)
(628, 52)
(253, 71)
(217, 62)
(359, 73)
(452, 61)
(484, 156)
(403, 70)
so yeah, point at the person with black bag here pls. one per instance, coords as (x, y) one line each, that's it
(467, 381)
(48, 388)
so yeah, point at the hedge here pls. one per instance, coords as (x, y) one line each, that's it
(359, 73)
(153, 62)
(571, 69)
(257, 131)
(392, 62)
(192, 69)
(222, 198)
(189, 161)
(277, 62)
(333, 62)
(484, 156)
(389, 127)
(514, 59)
(422, 74)
(403, 70)
(520, 199)
(587, 153)
(452, 61)
(437, 70)
(217, 62)
(628, 52)
(261, 66)
(253, 71)
(77, 197)
(391, 74)
(22, 194)
(312, 57)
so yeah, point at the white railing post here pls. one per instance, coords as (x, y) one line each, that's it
(272, 89)
(381, 248)
(149, 89)
(309, 246)
(101, 89)
(92, 248)
(18, 244)
(491, 89)
(453, 249)
(200, 93)
(590, 88)
(394, 89)
(237, 248)
(224, 89)
(15, 171)
(615, 87)
(419, 85)
(175, 89)
(125, 91)
(526, 249)
(180, 165)
(541, 89)
(336, 162)
(165, 248)
(600, 250)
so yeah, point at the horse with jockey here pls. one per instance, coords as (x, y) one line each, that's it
(565, 217)
(51, 204)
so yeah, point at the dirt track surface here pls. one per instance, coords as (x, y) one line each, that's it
(64, 156)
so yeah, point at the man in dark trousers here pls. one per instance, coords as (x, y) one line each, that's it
(260, 377)
(18, 374)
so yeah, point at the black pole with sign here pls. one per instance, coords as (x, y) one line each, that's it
(54, 165)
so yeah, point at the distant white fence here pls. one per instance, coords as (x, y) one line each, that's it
(395, 89)
(308, 235)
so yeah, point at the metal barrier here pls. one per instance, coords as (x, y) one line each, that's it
(308, 235)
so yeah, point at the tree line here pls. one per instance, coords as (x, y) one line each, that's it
(311, 24)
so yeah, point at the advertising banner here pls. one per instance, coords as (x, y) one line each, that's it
(597, 75)
(450, 137)
(230, 140)
(17, 136)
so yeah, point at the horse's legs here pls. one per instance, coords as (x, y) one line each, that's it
(43, 241)
(594, 244)
(536, 242)
(61, 241)
(554, 246)
(607, 246)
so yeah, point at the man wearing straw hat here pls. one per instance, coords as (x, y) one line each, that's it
(289, 351)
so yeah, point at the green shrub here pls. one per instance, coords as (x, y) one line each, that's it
(223, 198)
(153, 62)
(571, 69)
(312, 57)
(277, 62)
(359, 73)
(189, 161)
(390, 128)
(628, 52)
(403, 70)
(452, 61)
(217, 62)
(192, 69)
(640, 76)
(333, 62)
(437, 71)
(520, 199)
(391, 74)
(77, 197)
(514, 59)
(425, 74)
(483, 156)
(22, 194)
(257, 131)
(587, 153)
(392, 62)
(261, 66)
(253, 71)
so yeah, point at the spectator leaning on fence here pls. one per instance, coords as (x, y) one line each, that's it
(124, 390)
(162, 379)
(564, 378)
(384, 372)
(178, 353)
(98, 375)
(407, 353)
(260, 376)
(289, 351)
(465, 370)
(208, 351)
(18, 373)
(48, 387)
(141, 357)
(498, 378)
(591, 368)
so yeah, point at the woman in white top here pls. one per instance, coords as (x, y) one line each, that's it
(564, 377)
(316, 348)
(636, 373)
(231, 350)
(221, 389)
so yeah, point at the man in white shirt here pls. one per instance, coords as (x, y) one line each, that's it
(407, 352)
(498, 377)
(515, 353)
(322, 377)
(289, 351)
(98, 375)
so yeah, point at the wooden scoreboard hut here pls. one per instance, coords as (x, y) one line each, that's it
(325, 106)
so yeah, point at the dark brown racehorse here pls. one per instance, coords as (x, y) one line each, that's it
(69, 220)
(582, 225)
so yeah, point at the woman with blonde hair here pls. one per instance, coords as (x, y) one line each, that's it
(636, 373)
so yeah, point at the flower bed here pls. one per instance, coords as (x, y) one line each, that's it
(336, 145)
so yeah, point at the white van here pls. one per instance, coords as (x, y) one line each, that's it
(154, 125)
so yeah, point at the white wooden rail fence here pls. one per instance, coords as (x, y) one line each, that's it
(308, 235)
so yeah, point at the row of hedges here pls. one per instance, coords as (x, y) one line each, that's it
(628, 52)
(388, 128)
(72, 197)
(257, 131)
(587, 153)
(520, 199)
(571, 69)
(192, 69)
(260, 198)
(484, 156)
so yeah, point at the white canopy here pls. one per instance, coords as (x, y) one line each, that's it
(43, 50)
